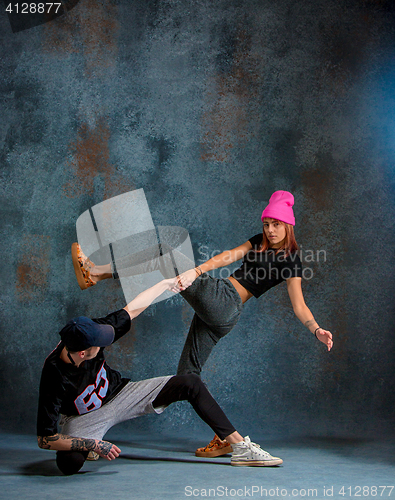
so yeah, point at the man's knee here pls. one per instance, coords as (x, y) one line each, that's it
(70, 462)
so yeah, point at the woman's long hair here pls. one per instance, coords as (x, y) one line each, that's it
(289, 246)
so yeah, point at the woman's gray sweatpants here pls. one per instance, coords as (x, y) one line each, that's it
(216, 302)
(217, 307)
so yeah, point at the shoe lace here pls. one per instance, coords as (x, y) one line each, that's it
(256, 445)
(214, 442)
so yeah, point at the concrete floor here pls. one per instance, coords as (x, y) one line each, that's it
(167, 468)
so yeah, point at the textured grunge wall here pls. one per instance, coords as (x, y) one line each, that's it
(210, 107)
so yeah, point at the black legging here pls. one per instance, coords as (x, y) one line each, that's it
(191, 388)
(179, 388)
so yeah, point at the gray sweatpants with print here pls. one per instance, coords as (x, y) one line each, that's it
(133, 401)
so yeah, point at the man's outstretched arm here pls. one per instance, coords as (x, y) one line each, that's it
(61, 442)
(144, 299)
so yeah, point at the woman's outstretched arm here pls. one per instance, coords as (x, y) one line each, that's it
(304, 314)
(223, 259)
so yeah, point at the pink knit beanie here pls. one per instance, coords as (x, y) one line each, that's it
(280, 207)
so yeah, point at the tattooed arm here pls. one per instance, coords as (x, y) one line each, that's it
(61, 442)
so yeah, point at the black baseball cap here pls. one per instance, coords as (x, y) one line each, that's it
(81, 333)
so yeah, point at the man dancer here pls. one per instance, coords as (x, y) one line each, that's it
(78, 385)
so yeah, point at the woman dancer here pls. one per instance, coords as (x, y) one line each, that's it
(269, 258)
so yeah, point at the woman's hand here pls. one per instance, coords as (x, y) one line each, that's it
(175, 285)
(325, 337)
(186, 279)
(144, 299)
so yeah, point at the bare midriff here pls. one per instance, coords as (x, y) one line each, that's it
(243, 292)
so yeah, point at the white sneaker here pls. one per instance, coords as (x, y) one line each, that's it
(248, 453)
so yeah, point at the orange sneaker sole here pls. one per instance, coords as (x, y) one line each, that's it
(214, 453)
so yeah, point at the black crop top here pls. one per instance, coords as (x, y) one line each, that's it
(261, 271)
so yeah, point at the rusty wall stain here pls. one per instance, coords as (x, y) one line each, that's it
(100, 27)
(91, 157)
(116, 183)
(33, 267)
(60, 35)
(89, 29)
(317, 183)
(230, 104)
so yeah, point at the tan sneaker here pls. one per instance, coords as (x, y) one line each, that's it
(215, 448)
(82, 267)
